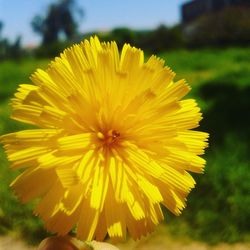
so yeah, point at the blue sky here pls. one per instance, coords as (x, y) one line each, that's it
(100, 15)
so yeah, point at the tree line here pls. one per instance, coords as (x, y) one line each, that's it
(59, 27)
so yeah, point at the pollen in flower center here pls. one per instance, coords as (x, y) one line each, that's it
(108, 138)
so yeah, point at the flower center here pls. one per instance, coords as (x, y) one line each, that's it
(108, 138)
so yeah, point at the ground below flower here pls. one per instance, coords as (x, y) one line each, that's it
(160, 240)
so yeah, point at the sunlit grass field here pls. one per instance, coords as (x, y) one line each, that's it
(218, 209)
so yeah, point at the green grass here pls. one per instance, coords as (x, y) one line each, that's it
(14, 73)
(199, 66)
(218, 209)
(13, 215)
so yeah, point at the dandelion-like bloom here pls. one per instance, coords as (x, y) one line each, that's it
(113, 143)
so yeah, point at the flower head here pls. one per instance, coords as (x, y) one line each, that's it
(113, 142)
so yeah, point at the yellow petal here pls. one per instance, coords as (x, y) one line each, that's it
(75, 142)
(33, 183)
(88, 221)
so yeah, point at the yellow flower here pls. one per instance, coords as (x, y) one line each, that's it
(113, 143)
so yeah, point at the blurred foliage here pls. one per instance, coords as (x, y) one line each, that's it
(13, 73)
(51, 50)
(225, 28)
(15, 216)
(59, 28)
(153, 41)
(218, 208)
(231, 26)
(60, 19)
(10, 50)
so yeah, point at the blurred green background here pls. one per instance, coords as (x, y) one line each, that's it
(211, 51)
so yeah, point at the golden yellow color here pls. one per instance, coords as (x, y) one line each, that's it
(113, 142)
